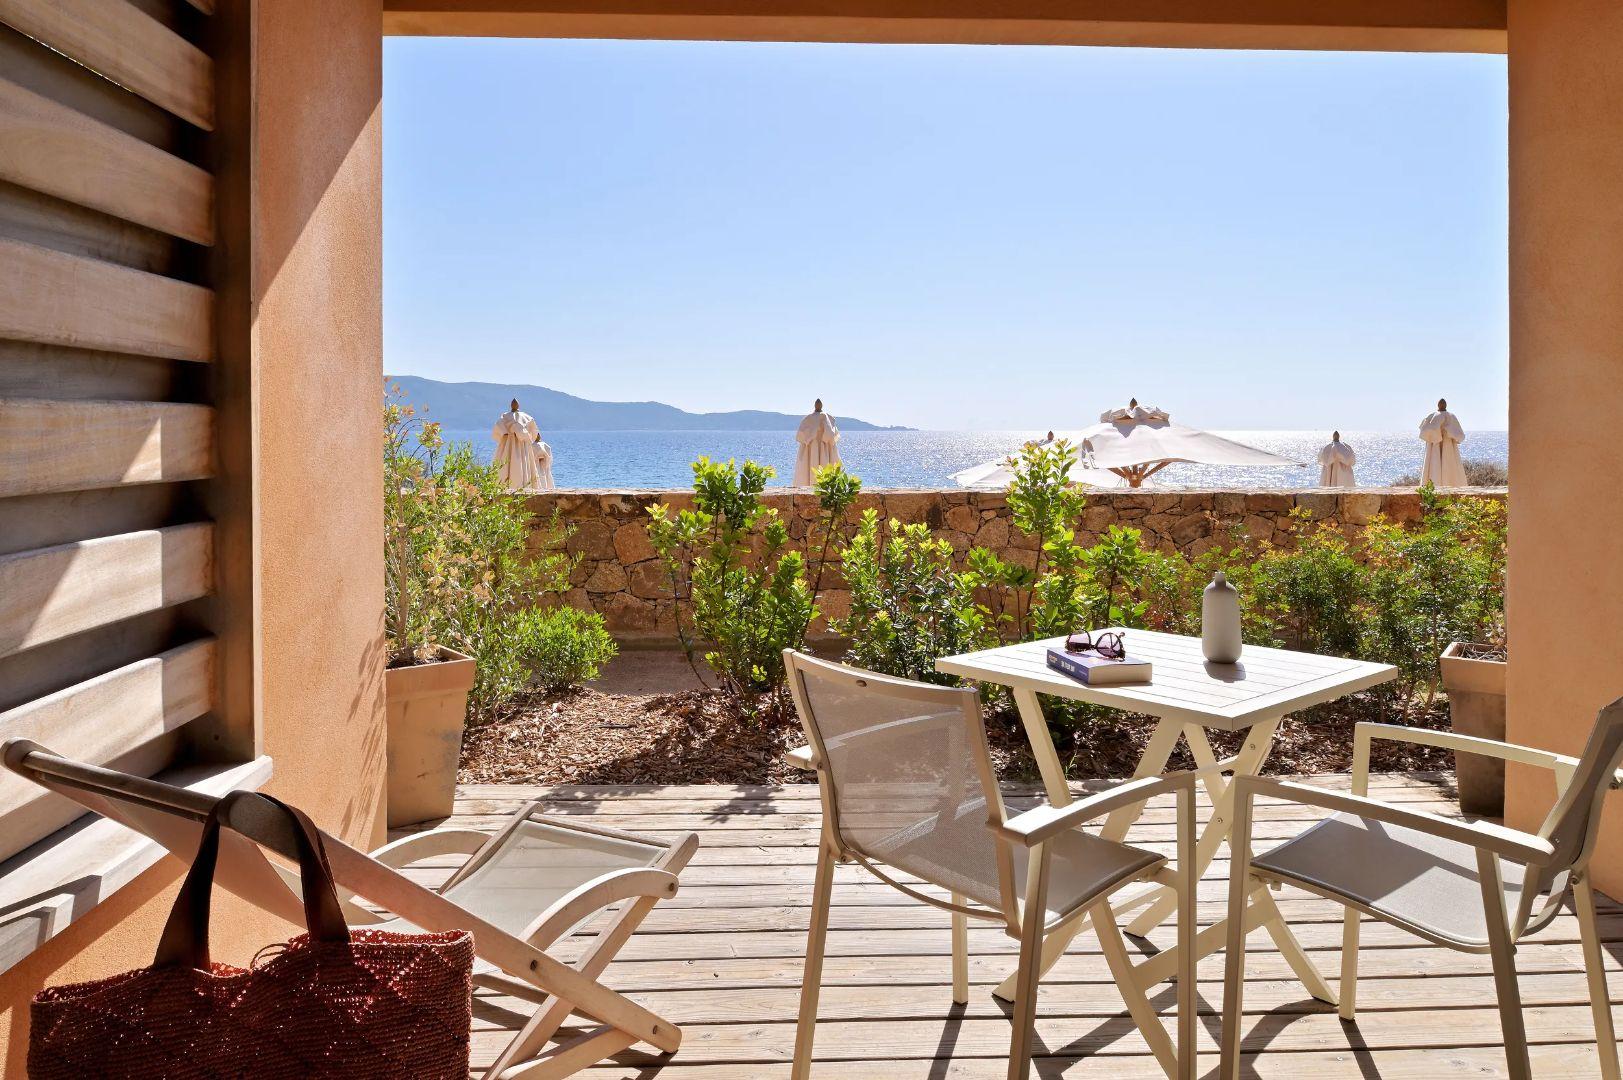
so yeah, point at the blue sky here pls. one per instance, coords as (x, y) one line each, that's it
(952, 237)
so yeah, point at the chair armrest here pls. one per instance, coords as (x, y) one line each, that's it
(1562, 765)
(1470, 744)
(425, 845)
(1043, 822)
(580, 903)
(802, 758)
(1511, 843)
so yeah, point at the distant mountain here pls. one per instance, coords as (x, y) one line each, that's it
(469, 406)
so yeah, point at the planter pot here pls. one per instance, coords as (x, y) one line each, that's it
(427, 707)
(1476, 705)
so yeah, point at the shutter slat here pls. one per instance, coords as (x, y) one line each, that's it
(51, 148)
(58, 299)
(100, 721)
(50, 446)
(54, 592)
(126, 45)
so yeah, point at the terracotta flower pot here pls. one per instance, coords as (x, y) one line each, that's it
(427, 707)
(1476, 705)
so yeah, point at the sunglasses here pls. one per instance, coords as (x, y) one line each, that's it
(1111, 644)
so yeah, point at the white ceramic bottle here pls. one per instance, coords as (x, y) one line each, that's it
(1220, 621)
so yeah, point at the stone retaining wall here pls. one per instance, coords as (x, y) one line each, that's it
(620, 576)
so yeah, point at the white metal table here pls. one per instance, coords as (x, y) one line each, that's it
(1188, 697)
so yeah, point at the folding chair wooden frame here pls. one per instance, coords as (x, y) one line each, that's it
(514, 964)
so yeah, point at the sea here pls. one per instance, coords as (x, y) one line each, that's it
(927, 459)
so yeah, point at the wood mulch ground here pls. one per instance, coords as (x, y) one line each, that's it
(587, 736)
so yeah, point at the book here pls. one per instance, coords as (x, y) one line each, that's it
(1092, 669)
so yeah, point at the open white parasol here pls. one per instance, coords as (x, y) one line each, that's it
(1137, 442)
(1000, 472)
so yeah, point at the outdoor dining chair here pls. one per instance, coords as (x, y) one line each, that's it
(520, 892)
(909, 792)
(1472, 886)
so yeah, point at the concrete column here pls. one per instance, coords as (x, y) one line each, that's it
(1566, 389)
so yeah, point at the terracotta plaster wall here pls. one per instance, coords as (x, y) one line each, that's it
(1566, 388)
(318, 284)
(316, 295)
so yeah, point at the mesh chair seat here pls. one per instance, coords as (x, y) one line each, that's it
(955, 850)
(1419, 880)
(534, 865)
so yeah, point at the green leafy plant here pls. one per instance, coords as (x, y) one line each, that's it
(1314, 589)
(1440, 582)
(562, 647)
(738, 581)
(909, 607)
(458, 569)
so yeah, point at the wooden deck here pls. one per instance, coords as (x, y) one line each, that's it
(723, 960)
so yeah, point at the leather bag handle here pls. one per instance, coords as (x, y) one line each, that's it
(185, 938)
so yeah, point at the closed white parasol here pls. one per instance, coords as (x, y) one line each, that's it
(816, 441)
(1336, 463)
(1137, 442)
(1442, 434)
(543, 466)
(516, 435)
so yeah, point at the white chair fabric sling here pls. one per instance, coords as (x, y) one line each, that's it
(1472, 886)
(520, 891)
(909, 789)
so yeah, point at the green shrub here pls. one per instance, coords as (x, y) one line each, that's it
(738, 582)
(562, 647)
(1314, 589)
(1428, 586)
(457, 572)
(909, 607)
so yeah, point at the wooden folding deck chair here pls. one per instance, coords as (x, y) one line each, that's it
(531, 884)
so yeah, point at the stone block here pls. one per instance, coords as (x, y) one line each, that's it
(964, 518)
(913, 507)
(650, 580)
(1189, 527)
(619, 504)
(1228, 504)
(1269, 502)
(1321, 504)
(631, 544)
(593, 538)
(625, 613)
(994, 534)
(1403, 507)
(606, 577)
(1191, 501)
(1097, 518)
(1258, 527)
(1360, 508)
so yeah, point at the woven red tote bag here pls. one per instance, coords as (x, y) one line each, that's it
(332, 1002)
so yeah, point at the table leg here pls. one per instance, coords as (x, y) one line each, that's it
(1259, 742)
(1042, 748)
(1153, 762)
(1200, 748)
